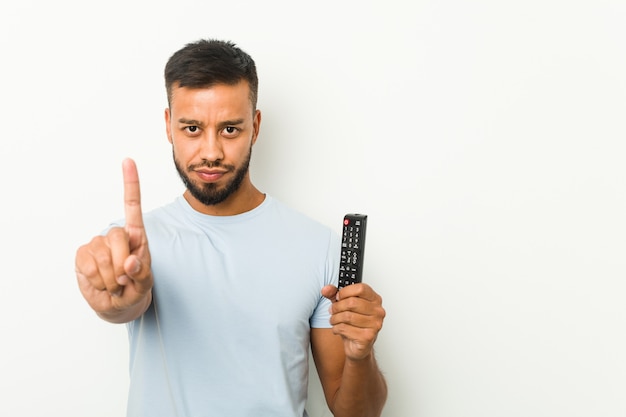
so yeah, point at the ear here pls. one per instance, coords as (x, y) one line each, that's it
(256, 123)
(168, 126)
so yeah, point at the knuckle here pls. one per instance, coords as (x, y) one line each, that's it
(80, 251)
(96, 240)
(88, 269)
(348, 317)
(371, 335)
(378, 325)
(102, 257)
(338, 329)
(360, 289)
(116, 234)
(351, 303)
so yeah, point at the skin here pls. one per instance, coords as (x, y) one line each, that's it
(212, 131)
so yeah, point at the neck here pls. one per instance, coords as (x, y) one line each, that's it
(246, 198)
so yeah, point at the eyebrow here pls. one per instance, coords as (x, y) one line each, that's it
(194, 122)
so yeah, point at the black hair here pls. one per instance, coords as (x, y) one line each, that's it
(208, 62)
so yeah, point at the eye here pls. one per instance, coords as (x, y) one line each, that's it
(192, 130)
(230, 131)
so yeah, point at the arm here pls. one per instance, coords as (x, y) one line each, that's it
(352, 383)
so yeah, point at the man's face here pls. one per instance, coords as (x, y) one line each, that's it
(212, 131)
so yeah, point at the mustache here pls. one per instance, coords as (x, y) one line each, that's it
(210, 164)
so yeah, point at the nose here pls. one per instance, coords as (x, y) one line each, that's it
(211, 148)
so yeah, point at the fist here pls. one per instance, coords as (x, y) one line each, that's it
(357, 316)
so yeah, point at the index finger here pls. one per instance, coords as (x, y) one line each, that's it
(132, 196)
(360, 290)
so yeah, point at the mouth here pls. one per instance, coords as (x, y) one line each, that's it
(210, 175)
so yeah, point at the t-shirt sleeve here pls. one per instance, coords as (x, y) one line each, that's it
(321, 315)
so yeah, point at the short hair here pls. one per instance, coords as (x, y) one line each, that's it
(208, 62)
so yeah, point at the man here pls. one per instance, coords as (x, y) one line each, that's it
(225, 288)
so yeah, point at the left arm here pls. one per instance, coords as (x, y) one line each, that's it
(344, 356)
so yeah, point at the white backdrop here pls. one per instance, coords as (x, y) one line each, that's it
(484, 139)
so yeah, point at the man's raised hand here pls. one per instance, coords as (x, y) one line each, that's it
(113, 271)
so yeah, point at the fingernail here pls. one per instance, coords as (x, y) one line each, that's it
(122, 280)
(117, 293)
(137, 267)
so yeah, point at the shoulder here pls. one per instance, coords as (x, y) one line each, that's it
(286, 224)
(292, 217)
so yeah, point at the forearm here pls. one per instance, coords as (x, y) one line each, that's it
(129, 314)
(363, 390)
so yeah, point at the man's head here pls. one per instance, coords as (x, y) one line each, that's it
(212, 121)
(205, 63)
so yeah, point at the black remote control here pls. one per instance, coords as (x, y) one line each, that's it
(352, 249)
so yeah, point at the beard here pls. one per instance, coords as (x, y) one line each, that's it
(211, 194)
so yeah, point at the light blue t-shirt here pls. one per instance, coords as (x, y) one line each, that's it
(234, 299)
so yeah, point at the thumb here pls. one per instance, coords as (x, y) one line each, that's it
(136, 271)
(330, 292)
(132, 266)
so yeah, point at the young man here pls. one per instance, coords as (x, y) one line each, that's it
(225, 289)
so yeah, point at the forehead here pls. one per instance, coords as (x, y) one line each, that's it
(221, 95)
